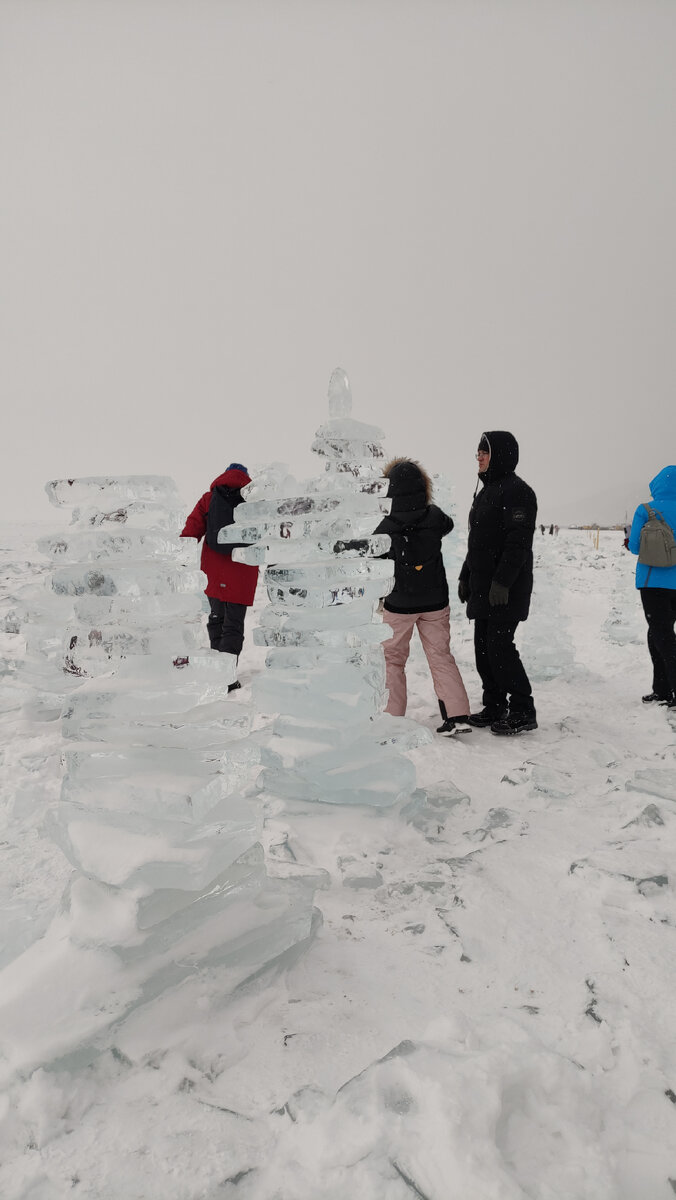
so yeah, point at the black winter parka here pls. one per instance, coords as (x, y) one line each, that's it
(500, 542)
(416, 528)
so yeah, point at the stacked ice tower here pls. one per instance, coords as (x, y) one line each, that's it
(169, 877)
(325, 669)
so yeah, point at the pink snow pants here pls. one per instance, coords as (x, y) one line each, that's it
(435, 634)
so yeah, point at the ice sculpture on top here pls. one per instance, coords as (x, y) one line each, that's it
(325, 673)
(168, 875)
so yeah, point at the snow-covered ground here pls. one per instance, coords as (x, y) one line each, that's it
(487, 1012)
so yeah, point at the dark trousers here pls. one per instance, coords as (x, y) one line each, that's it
(500, 667)
(659, 606)
(226, 625)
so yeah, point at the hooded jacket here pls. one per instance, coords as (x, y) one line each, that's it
(500, 541)
(663, 492)
(416, 528)
(226, 580)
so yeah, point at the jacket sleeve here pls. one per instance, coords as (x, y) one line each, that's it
(382, 528)
(445, 523)
(463, 577)
(520, 512)
(640, 518)
(196, 524)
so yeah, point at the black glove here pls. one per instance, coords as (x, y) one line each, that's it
(463, 591)
(499, 594)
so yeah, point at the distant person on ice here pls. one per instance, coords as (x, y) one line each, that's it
(231, 586)
(419, 599)
(657, 586)
(496, 582)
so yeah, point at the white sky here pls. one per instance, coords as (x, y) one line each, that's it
(206, 207)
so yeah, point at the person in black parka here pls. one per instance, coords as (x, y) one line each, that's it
(419, 598)
(496, 582)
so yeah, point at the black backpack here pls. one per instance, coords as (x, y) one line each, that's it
(221, 512)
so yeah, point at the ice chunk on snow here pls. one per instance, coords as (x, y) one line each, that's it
(91, 546)
(107, 491)
(130, 514)
(338, 693)
(153, 851)
(298, 552)
(125, 579)
(654, 781)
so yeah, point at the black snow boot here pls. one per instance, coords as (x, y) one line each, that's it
(487, 717)
(514, 723)
(452, 725)
(653, 698)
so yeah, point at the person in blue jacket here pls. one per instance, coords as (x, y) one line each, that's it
(657, 586)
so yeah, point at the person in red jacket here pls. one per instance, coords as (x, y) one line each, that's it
(231, 586)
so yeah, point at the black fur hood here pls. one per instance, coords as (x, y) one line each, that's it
(410, 485)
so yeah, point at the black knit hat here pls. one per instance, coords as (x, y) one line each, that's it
(484, 444)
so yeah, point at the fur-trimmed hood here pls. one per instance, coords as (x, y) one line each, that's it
(410, 485)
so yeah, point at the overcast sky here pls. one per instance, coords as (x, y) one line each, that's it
(207, 206)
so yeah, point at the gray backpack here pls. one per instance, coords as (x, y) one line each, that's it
(657, 546)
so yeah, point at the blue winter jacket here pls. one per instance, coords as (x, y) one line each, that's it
(663, 492)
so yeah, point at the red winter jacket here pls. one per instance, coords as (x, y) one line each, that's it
(226, 580)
